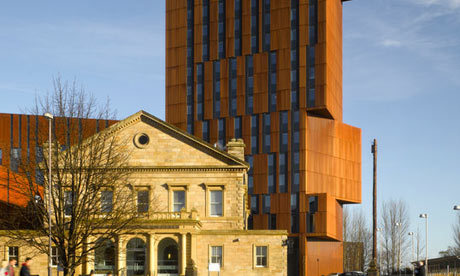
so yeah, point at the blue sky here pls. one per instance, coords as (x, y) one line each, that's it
(401, 82)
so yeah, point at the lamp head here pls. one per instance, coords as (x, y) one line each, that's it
(410, 233)
(48, 116)
(423, 216)
(457, 207)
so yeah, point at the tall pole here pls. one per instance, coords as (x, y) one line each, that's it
(399, 248)
(412, 247)
(374, 205)
(49, 117)
(425, 216)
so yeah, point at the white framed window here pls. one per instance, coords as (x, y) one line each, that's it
(216, 203)
(178, 200)
(216, 255)
(261, 256)
(54, 256)
(106, 201)
(13, 253)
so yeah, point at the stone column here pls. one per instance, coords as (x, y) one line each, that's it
(183, 253)
(191, 269)
(152, 263)
(120, 258)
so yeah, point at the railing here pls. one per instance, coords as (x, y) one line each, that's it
(193, 215)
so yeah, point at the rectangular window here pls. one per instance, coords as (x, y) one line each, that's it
(238, 127)
(237, 27)
(205, 128)
(205, 30)
(216, 255)
(1, 156)
(143, 201)
(54, 256)
(294, 54)
(250, 160)
(216, 203)
(312, 209)
(311, 76)
(216, 88)
(295, 154)
(254, 134)
(190, 42)
(178, 200)
(15, 159)
(39, 177)
(261, 256)
(13, 253)
(294, 202)
(199, 91)
(254, 204)
(221, 29)
(221, 131)
(283, 173)
(312, 24)
(284, 124)
(254, 26)
(106, 201)
(266, 133)
(249, 85)
(232, 85)
(272, 221)
(266, 25)
(271, 173)
(295, 222)
(272, 81)
(68, 203)
(266, 204)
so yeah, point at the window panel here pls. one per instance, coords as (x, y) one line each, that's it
(216, 255)
(216, 203)
(178, 201)
(143, 201)
(13, 253)
(106, 201)
(261, 256)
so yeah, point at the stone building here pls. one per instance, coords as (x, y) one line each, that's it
(200, 215)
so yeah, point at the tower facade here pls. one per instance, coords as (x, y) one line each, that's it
(270, 72)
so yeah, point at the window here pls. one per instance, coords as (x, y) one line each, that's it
(295, 154)
(216, 203)
(216, 255)
(266, 25)
(15, 159)
(294, 202)
(254, 26)
(254, 204)
(294, 222)
(221, 29)
(294, 54)
(54, 256)
(68, 202)
(205, 30)
(282, 181)
(199, 91)
(178, 200)
(312, 209)
(39, 178)
(311, 76)
(104, 256)
(205, 128)
(238, 130)
(38, 154)
(261, 256)
(190, 42)
(216, 88)
(237, 27)
(249, 85)
(312, 24)
(266, 133)
(283, 131)
(250, 160)
(221, 132)
(106, 201)
(142, 201)
(13, 253)
(1, 156)
(272, 221)
(271, 173)
(254, 134)
(266, 204)
(232, 85)
(272, 81)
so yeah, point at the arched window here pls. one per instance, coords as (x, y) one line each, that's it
(135, 257)
(104, 260)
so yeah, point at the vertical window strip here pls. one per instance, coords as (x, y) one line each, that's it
(271, 173)
(249, 85)
(216, 88)
(272, 81)
(254, 26)
(205, 129)
(266, 25)
(312, 209)
(311, 76)
(282, 181)
(232, 83)
(294, 54)
(221, 132)
(221, 29)
(295, 153)
(28, 137)
(11, 131)
(250, 160)
(266, 204)
(238, 127)
(205, 31)
(200, 91)
(266, 133)
(190, 84)
(238, 30)
(254, 134)
(20, 131)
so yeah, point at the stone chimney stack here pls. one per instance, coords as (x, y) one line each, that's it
(236, 147)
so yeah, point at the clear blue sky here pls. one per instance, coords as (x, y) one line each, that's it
(401, 82)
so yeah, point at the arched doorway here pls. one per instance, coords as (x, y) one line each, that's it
(104, 260)
(135, 257)
(168, 257)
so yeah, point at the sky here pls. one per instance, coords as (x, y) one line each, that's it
(401, 83)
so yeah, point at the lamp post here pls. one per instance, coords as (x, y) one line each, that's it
(412, 237)
(49, 117)
(425, 216)
(457, 207)
(399, 248)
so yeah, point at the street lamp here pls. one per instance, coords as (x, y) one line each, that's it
(412, 236)
(425, 216)
(457, 207)
(50, 118)
(399, 248)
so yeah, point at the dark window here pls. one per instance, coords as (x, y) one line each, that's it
(39, 178)
(295, 153)
(266, 133)
(68, 202)
(238, 127)
(283, 171)
(1, 156)
(312, 209)
(294, 223)
(205, 128)
(205, 30)
(232, 85)
(13, 253)
(266, 204)
(54, 256)
(254, 26)
(199, 91)
(142, 201)
(104, 256)
(250, 160)
(216, 88)
(272, 81)
(250, 222)
(284, 124)
(190, 42)
(261, 256)
(266, 25)
(237, 27)
(271, 173)
(221, 132)
(254, 134)
(221, 29)
(249, 85)
(254, 204)
(106, 201)
(312, 24)
(311, 76)
(294, 202)
(38, 154)
(15, 159)
(294, 54)
(272, 221)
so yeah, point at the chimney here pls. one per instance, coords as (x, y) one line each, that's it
(236, 147)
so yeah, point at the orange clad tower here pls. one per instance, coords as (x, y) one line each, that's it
(270, 72)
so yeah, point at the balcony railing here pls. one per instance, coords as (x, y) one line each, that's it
(183, 215)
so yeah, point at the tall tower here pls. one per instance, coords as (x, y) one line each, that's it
(270, 72)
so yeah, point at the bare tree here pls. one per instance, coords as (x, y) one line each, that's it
(91, 199)
(395, 243)
(454, 250)
(357, 240)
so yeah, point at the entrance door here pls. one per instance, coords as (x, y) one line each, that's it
(168, 258)
(135, 257)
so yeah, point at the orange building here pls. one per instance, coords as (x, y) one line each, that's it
(270, 72)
